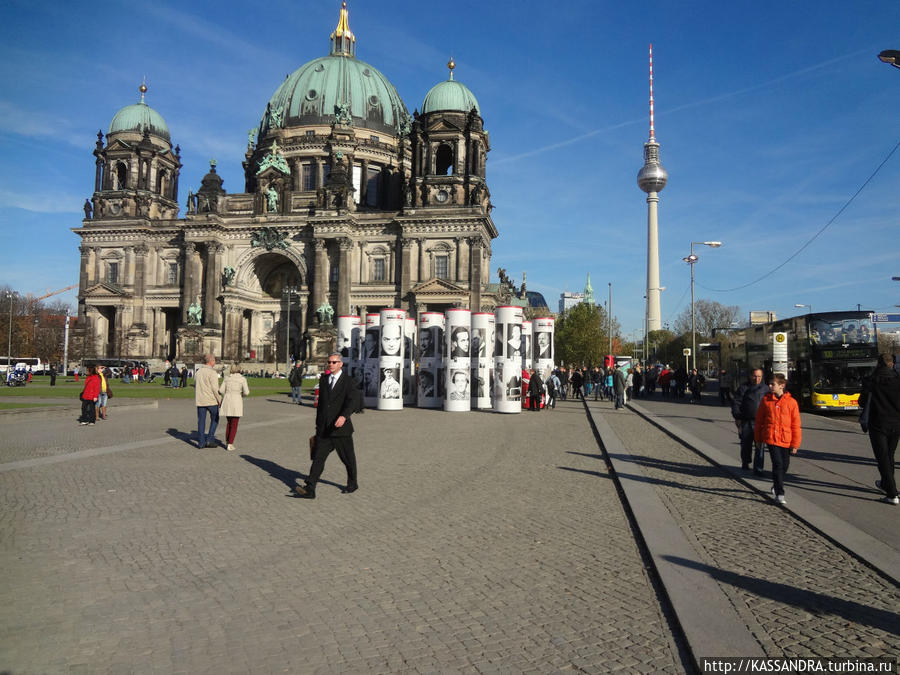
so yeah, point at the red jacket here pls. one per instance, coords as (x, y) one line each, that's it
(91, 388)
(778, 421)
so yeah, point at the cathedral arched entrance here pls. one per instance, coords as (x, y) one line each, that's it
(266, 308)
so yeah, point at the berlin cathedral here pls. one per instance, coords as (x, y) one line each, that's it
(350, 205)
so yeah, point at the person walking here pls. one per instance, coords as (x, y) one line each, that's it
(233, 389)
(295, 378)
(53, 375)
(695, 384)
(207, 399)
(576, 381)
(184, 376)
(338, 399)
(89, 396)
(743, 410)
(174, 376)
(619, 385)
(105, 391)
(553, 387)
(880, 401)
(778, 426)
(535, 391)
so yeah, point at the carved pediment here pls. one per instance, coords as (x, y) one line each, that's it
(435, 286)
(444, 125)
(105, 289)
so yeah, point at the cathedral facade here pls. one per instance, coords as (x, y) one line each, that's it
(350, 205)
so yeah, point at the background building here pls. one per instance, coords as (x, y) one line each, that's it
(349, 205)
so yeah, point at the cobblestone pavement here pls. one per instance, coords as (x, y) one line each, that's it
(476, 543)
(799, 594)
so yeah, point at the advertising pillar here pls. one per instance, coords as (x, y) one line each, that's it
(370, 356)
(542, 339)
(482, 360)
(526, 345)
(431, 340)
(458, 336)
(508, 360)
(390, 362)
(409, 361)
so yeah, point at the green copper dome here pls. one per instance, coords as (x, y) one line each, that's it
(313, 93)
(450, 95)
(135, 118)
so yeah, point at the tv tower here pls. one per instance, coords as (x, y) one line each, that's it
(651, 179)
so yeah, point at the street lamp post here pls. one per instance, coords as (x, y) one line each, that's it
(9, 296)
(288, 291)
(891, 56)
(691, 260)
(801, 305)
(609, 319)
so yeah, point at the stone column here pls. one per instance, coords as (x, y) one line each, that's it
(95, 251)
(392, 276)
(405, 271)
(364, 183)
(362, 259)
(211, 308)
(140, 253)
(83, 268)
(297, 175)
(475, 254)
(320, 274)
(422, 272)
(231, 337)
(459, 258)
(343, 302)
(190, 285)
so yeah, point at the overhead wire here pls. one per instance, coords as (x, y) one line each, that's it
(814, 237)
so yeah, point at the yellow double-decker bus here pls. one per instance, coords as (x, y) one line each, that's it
(828, 356)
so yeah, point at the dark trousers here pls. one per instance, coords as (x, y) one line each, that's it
(751, 453)
(884, 445)
(89, 411)
(534, 401)
(620, 401)
(781, 460)
(202, 434)
(324, 446)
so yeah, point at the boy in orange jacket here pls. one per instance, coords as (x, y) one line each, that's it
(778, 426)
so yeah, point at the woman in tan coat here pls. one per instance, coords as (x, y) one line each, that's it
(233, 389)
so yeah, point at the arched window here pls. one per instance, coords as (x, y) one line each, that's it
(444, 160)
(121, 176)
(162, 182)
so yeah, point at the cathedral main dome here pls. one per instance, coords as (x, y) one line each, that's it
(316, 91)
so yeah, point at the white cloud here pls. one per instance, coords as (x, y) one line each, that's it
(41, 202)
(21, 122)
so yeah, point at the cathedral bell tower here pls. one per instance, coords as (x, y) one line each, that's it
(137, 170)
(449, 149)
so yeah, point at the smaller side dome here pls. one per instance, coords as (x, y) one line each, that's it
(450, 95)
(137, 117)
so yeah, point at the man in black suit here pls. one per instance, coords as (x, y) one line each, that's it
(334, 430)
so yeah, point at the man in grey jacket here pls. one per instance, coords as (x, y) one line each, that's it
(207, 399)
(743, 409)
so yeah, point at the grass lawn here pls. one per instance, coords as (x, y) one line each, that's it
(68, 388)
(13, 405)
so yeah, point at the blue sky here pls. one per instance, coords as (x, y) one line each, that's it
(770, 116)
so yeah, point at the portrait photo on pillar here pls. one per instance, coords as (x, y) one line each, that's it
(543, 345)
(513, 341)
(372, 379)
(391, 339)
(477, 383)
(390, 382)
(426, 343)
(459, 385)
(478, 345)
(426, 383)
(500, 335)
(344, 343)
(459, 342)
(370, 345)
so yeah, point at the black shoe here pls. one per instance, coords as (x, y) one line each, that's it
(350, 488)
(745, 467)
(759, 472)
(305, 491)
(212, 444)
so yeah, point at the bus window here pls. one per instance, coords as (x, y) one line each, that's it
(831, 376)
